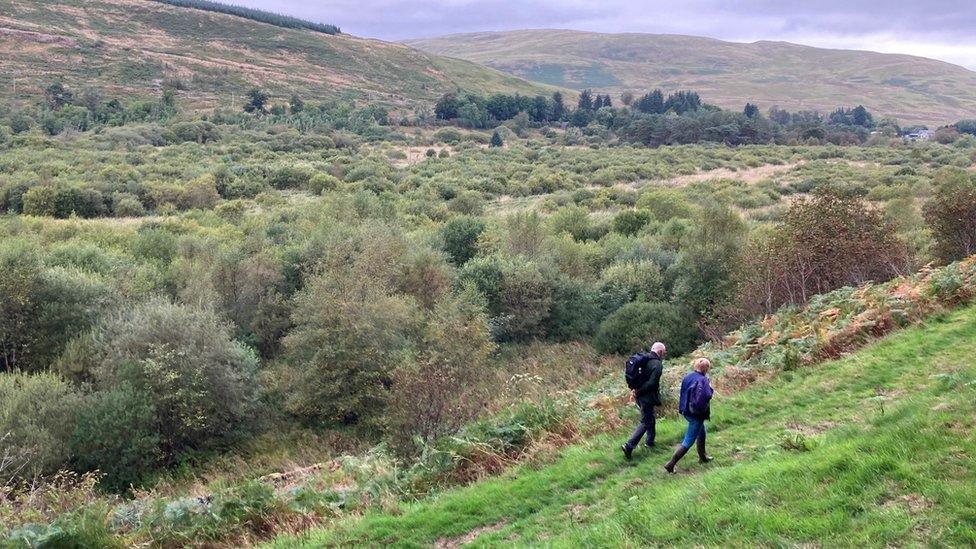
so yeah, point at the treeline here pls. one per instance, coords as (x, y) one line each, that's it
(63, 109)
(261, 16)
(655, 119)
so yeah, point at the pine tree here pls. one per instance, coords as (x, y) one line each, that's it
(558, 107)
(256, 102)
(585, 101)
(496, 139)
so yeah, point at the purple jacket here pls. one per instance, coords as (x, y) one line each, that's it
(686, 385)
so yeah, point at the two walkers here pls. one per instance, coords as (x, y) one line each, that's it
(643, 376)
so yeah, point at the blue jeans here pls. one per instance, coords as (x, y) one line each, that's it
(696, 429)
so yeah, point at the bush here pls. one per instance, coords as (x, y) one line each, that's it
(664, 204)
(37, 415)
(951, 214)
(636, 325)
(63, 202)
(322, 183)
(202, 384)
(633, 281)
(630, 222)
(460, 236)
(291, 177)
(116, 434)
(444, 387)
(351, 331)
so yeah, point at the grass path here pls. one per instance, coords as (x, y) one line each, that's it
(872, 450)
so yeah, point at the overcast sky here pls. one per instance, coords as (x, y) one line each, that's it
(942, 29)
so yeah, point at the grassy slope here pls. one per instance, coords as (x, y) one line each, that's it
(889, 442)
(910, 88)
(131, 46)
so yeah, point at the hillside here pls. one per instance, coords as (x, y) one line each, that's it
(133, 47)
(912, 89)
(870, 450)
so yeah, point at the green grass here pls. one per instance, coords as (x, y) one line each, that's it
(880, 454)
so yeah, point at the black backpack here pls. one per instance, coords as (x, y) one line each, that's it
(636, 371)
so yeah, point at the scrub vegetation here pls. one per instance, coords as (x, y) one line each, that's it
(220, 324)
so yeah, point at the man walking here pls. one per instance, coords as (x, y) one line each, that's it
(647, 395)
(695, 406)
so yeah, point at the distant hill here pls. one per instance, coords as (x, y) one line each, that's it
(134, 47)
(912, 89)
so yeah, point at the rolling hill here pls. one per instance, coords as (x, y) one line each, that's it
(912, 89)
(133, 47)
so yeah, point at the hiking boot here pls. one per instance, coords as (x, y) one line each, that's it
(649, 445)
(628, 452)
(679, 453)
(700, 445)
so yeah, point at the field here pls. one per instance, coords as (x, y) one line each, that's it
(794, 77)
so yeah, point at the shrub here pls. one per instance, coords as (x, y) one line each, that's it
(63, 202)
(630, 222)
(291, 177)
(633, 281)
(951, 214)
(443, 387)
(664, 204)
(127, 205)
(351, 331)
(322, 183)
(460, 236)
(37, 415)
(571, 219)
(202, 384)
(636, 325)
(116, 434)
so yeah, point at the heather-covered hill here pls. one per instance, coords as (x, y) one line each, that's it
(135, 47)
(792, 76)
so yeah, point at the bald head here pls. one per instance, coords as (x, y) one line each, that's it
(659, 349)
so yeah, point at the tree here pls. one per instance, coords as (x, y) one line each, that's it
(585, 102)
(57, 96)
(651, 103)
(256, 101)
(447, 107)
(951, 214)
(352, 330)
(496, 139)
(861, 117)
(295, 104)
(558, 107)
(823, 244)
(751, 110)
(627, 98)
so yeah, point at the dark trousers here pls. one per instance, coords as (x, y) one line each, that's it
(646, 425)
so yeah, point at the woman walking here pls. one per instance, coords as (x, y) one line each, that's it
(695, 405)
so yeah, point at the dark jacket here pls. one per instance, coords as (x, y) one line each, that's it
(686, 384)
(649, 393)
